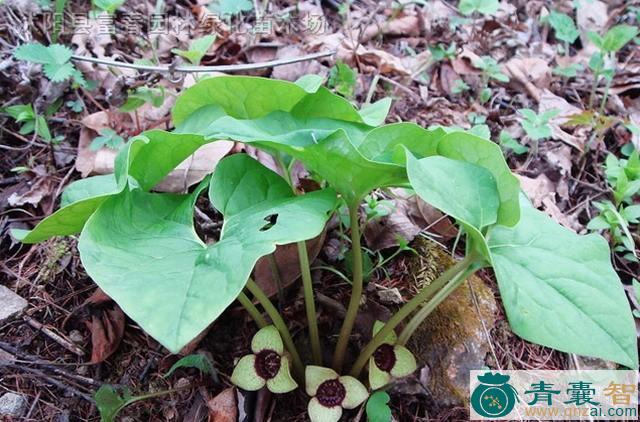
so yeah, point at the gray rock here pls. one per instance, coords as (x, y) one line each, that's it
(12, 404)
(11, 305)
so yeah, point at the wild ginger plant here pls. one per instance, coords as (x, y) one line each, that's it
(558, 288)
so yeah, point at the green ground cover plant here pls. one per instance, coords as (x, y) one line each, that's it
(558, 288)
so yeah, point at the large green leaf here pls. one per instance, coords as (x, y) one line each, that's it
(79, 200)
(142, 250)
(146, 159)
(465, 191)
(388, 143)
(484, 153)
(241, 182)
(86, 188)
(248, 97)
(560, 290)
(324, 145)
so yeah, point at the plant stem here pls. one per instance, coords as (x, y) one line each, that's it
(419, 317)
(275, 274)
(310, 303)
(425, 294)
(252, 310)
(307, 284)
(594, 87)
(279, 323)
(606, 94)
(356, 292)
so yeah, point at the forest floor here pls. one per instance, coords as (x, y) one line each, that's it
(440, 66)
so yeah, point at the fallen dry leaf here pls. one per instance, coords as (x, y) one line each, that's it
(532, 73)
(189, 172)
(223, 407)
(542, 192)
(291, 72)
(407, 25)
(107, 325)
(288, 264)
(448, 78)
(31, 190)
(591, 15)
(549, 101)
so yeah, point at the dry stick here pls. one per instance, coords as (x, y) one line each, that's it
(200, 69)
(279, 323)
(68, 388)
(67, 344)
(29, 359)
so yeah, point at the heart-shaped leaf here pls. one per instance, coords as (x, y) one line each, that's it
(388, 144)
(465, 191)
(142, 250)
(556, 286)
(324, 146)
(248, 97)
(147, 158)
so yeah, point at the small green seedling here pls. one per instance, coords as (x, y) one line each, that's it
(490, 70)
(564, 27)
(569, 71)
(111, 400)
(375, 208)
(343, 79)
(479, 125)
(537, 125)
(108, 138)
(76, 106)
(608, 45)
(197, 49)
(109, 6)
(459, 86)
(55, 61)
(229, 8)
(143, 95)
(623, 178)
(484, 7)
(378, 409)
(441, 53)
(198, 361)
(617, 221)
(508, 143)
(31, 122)
(330, 393)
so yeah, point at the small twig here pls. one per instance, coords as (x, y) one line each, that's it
(67, 344)
(26, 358)
(198, 69)
(68, 388)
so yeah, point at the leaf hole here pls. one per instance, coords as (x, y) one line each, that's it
(271, 220)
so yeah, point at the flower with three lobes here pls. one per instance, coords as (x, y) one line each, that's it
(330, 393)
(389, 361)
(268, 365)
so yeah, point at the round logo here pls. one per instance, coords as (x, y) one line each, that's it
(494, 397)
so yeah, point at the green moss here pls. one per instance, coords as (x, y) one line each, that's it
(452, 339)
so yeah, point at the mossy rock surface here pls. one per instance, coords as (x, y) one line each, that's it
(452, 341)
